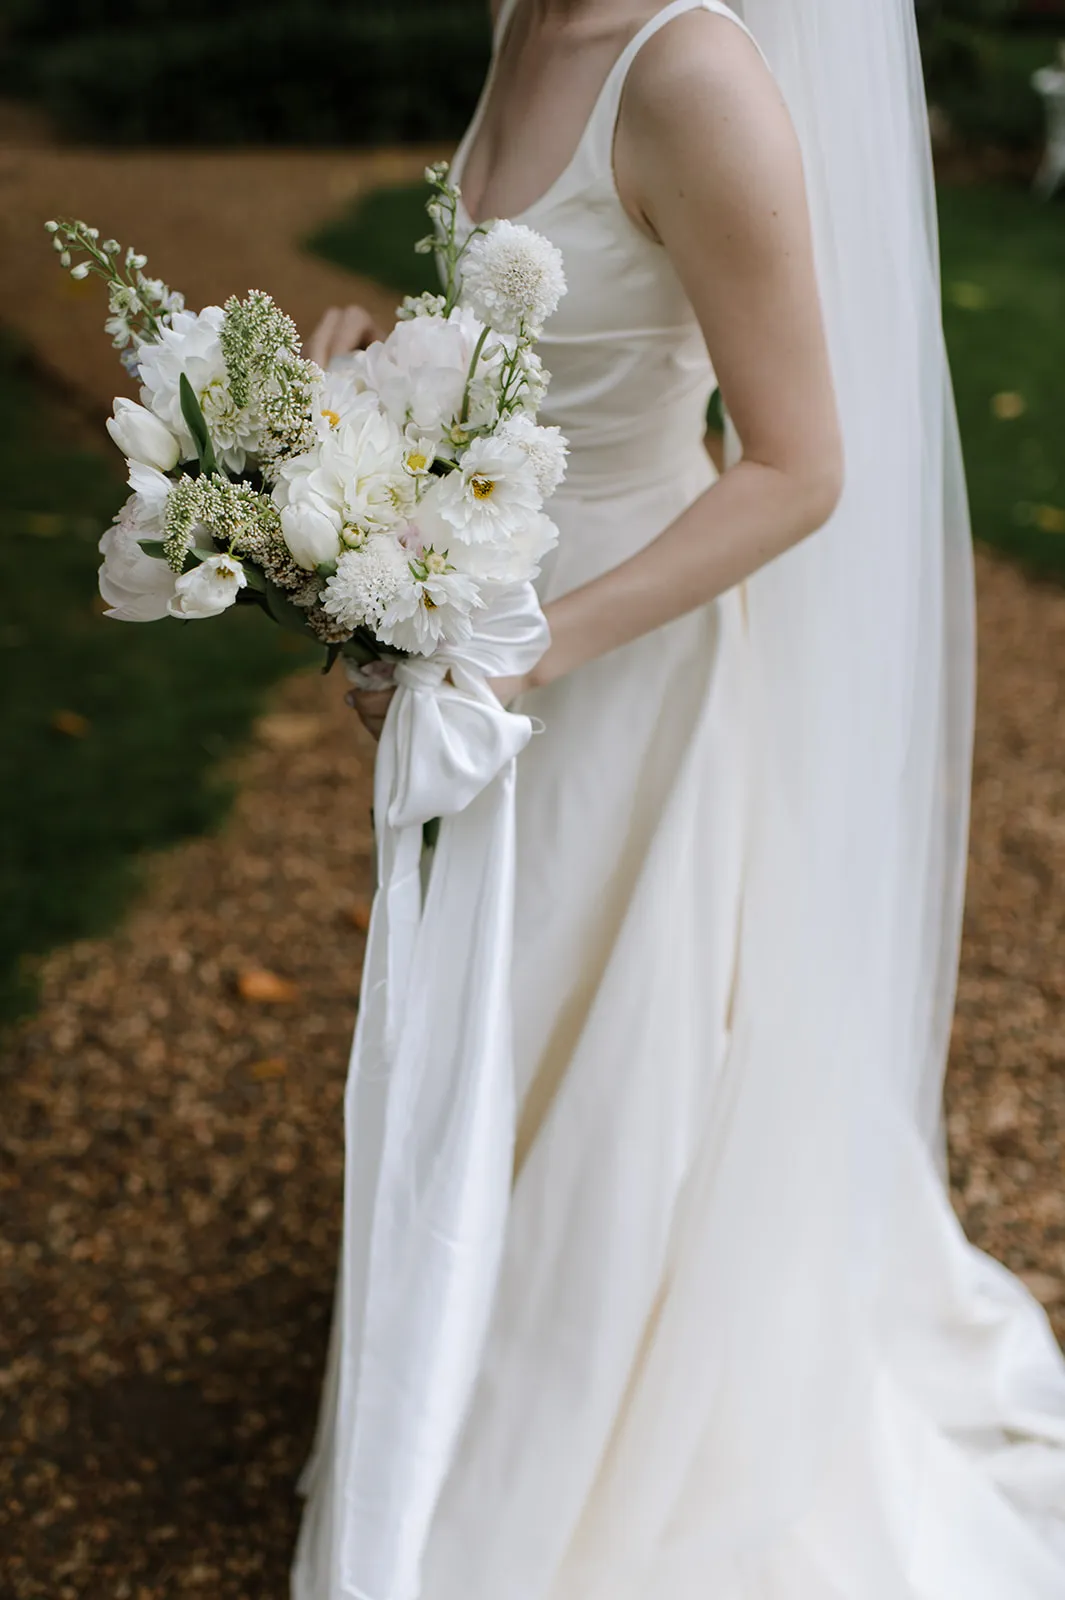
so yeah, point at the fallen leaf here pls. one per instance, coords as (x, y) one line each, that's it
(288, 730)
(1009, 405)
(257, 983)
(360, 915)
(1047, 1290)
(969, 296)
(270, 1067)
(72, 723)
(1051, 519)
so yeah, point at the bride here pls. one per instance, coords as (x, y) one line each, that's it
(739, 1347)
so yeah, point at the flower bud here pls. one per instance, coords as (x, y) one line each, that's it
(81, 270)
(51, 227)
(142, 437)
(64, 258)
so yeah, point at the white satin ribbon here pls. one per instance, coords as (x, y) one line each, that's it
(429, 1113)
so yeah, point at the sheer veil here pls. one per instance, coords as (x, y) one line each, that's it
(862, 686)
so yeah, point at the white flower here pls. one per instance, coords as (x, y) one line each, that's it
(437, 610)
(191, 345)
(368, 582)
(311, 529)
(491, 497)
(141, 436)
(152, 488)
(512, 278)
(516, 561)
(354, 477)
(421, 305)
(338, 399)
(419, 373)
(209, 589)
(546, 449)
(137, 587)
(419, 453)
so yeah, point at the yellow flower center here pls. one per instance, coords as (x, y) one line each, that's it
(416, 461)
(428, 602)
(483, 488)
(332, 417)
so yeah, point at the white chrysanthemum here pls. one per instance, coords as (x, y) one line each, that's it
(491, 497)
(192, 346)
(512, 277)
(369, 582)
(546, 449)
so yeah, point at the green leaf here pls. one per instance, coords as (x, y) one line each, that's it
(255, 578)
(197, 426)
(331, 653)
(284, 613)
(153, 548)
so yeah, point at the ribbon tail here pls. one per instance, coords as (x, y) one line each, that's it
(429, 1163)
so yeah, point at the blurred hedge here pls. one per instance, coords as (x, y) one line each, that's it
(371, 71)
(979, 56)
(273, 73)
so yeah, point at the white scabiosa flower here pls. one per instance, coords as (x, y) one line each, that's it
(512, 278)
(136, 587)
(142, 437)
(545, 448)
(491, 497)
(369, 582)
(209, 589)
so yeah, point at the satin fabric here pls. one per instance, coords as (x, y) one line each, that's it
(739, 1347)
(429, 1113)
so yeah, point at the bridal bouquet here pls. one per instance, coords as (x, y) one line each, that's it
(376, 506)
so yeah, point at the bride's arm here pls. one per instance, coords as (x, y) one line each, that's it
(708, 162)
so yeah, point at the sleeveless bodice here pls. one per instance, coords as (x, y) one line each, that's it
(630, 374)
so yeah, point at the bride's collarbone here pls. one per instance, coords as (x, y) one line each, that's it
(539, 101)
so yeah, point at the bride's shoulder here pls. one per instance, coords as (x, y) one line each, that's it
(700, 60)
(700, 78)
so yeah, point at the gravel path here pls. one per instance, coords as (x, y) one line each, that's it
(171, 1140)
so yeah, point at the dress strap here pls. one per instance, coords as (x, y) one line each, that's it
(502, 22)
(605, 114)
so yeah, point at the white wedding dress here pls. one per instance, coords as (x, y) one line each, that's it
(597, 1461)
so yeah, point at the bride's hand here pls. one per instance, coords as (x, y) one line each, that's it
(340, 332)
(371, 705)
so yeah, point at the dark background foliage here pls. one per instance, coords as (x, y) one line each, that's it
(375, 71)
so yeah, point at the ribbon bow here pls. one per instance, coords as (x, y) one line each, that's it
(429, 1114)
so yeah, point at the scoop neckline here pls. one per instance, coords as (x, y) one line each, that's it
(458, 164)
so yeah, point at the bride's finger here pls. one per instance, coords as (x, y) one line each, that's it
(357, 330)
(319, 345)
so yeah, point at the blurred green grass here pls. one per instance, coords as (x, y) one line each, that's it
(110, 733)
(1004, 314)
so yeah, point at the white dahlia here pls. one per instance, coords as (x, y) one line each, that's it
(513, 278)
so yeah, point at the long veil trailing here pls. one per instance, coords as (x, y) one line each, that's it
(805, 1247)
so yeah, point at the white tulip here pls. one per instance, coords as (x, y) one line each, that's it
(142, 437)
(311, 533)
(137, 587)
(209, 589)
